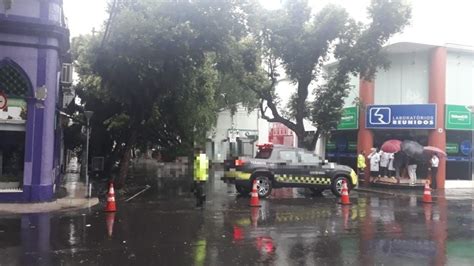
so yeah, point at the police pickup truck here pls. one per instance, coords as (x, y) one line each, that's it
(277, 166)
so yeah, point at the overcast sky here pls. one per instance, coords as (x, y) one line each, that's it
(434, 21)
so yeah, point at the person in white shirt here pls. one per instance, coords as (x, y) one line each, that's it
(434, 170)
(412, 171)
(384, 160)
(374, 158)
(391, 169)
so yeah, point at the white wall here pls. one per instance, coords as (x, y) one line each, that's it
(405, 82)
(242, 120)
(460, 79)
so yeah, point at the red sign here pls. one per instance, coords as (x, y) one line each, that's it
(3, 101)
(280, 134)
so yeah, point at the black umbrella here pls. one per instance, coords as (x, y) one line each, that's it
(412, 149)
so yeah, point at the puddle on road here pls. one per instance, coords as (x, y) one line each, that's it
(292, 227)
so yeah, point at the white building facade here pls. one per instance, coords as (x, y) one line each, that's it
(236, 134)
(422, 79)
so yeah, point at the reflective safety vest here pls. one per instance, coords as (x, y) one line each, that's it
(200, 252)
(361, 161)
(201, 167)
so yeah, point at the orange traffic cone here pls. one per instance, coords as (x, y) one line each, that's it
(427, 194)
(345, 194)
(345, 216)
(109, 220)
(254, 200)
(110, 207)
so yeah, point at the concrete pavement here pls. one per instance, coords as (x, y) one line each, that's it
(292, 227)
(451, 193)
(74, 200)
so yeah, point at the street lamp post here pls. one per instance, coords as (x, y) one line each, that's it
(88, 115)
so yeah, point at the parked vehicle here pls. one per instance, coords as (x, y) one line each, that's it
(277, 166)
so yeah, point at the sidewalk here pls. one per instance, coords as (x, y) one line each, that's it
(451, 193)
(73, 201)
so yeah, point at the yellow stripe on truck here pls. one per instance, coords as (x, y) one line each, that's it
(303, 179)
(238, 175)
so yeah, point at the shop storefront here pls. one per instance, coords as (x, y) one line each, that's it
(15, 89)
(342, 145)
(459, 141)
(403, 122)
(33, 44)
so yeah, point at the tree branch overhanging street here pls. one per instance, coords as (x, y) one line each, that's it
(160, 72)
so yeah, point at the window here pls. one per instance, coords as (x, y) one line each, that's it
(12, 152)
(308, 158)
(14, 83)
(288, 156)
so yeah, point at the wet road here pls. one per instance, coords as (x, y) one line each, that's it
(291, 228)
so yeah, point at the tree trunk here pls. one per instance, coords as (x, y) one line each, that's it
(115, 154)
(125, 160)
(308, 140)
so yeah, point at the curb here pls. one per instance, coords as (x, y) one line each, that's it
(63, 204)
(391, 193)
(376, 191)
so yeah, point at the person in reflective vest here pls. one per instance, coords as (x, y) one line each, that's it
(361, 165)
(201, 174)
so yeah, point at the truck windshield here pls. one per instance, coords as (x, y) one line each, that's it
(263, 153)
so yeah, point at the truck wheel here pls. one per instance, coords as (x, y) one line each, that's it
(264, 186)
(242, 190)
(336, 186)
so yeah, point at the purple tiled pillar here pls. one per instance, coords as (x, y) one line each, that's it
(37, 53)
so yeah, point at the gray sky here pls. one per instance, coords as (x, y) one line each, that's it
(434, 21)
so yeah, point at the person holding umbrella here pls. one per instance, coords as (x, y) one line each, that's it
(434, 170)
(392, 148)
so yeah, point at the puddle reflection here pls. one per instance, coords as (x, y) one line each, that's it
(374, 230)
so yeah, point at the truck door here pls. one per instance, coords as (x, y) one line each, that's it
(311, 169)
(286, 166)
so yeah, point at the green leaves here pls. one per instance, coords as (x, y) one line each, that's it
(166, 68)
(303, 43)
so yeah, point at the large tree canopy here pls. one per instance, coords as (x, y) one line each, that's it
(301, 42)
(160, 72)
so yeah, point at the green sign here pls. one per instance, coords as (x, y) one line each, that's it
(352, 146)
(349, 119)
(459, 117)
(452, 148)
(330, 146)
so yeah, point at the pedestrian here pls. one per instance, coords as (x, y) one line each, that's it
(384, 160)
(374, 158)
(391, 168)
(361, 165)
(412, 171)
(434, 170)
(201, 174)
(399, 162)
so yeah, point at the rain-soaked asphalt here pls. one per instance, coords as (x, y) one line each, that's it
(291, 228)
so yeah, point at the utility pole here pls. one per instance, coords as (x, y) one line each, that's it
(88, 115)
